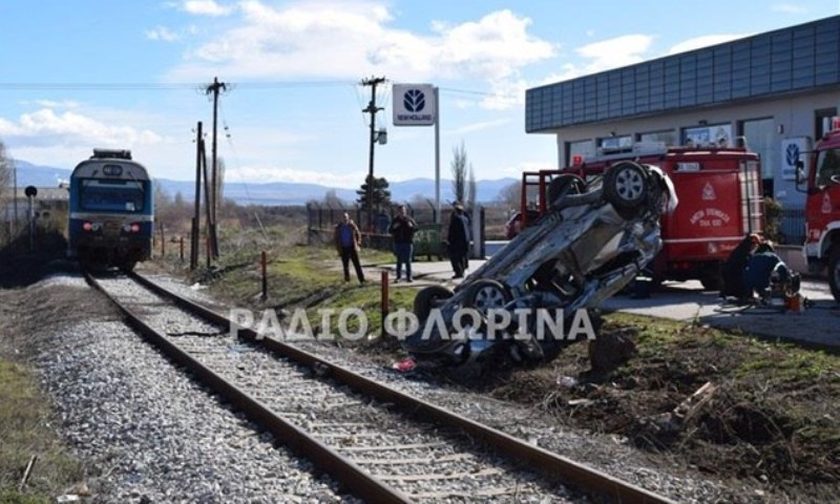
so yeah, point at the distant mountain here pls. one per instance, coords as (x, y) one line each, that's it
(275, 193)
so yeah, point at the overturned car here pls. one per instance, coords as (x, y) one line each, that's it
(596, 237)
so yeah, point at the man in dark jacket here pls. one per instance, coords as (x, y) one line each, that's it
(348, 241)
(402, 230)
(458, 239)
(734, 267)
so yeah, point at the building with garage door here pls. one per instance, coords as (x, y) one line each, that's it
(776, 92)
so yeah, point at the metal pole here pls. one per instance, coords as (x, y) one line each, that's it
(437, 157)
(31, 226)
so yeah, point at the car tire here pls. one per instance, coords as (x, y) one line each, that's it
(563, 185)
(834, 272)
(486, 294)
(626, 186)
(428, 298)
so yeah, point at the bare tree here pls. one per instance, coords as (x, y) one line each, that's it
(472, 188)
(5, 177)
(459, 172)
(331, 200)
(510, 195)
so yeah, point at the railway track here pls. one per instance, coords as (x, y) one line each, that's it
(383, 445)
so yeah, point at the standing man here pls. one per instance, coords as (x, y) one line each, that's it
(348, 241)
(459, 240)
(402, 229)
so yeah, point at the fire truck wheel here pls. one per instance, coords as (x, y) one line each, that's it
(486, 294)
(563, 185)
(834, 272)
(428, 298)
(626, 186)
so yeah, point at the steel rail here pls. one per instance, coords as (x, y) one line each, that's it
(557, 467)
(357, 481)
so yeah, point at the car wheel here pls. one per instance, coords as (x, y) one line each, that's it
(563, 185)
(428, 298)
(626, 186)
(834, 272)
(486, 294)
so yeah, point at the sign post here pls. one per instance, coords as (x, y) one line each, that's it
(417, 105)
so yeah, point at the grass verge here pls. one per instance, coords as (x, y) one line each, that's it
(25, 431)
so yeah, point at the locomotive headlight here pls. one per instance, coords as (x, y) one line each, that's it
(87, 226)
(135, 227)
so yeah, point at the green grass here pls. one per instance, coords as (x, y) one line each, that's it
(780, 362)
(24, 432)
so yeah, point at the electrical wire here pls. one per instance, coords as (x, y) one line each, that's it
(160, 86)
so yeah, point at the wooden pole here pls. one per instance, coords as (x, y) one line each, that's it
(181, 255)
(196, 220)
(384, 299)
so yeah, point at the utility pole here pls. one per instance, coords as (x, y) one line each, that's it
(371, 109)
(196, 220)
(214, 88)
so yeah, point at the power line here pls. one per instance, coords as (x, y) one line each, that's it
(160, 86)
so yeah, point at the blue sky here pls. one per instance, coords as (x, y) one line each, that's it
(294, 110)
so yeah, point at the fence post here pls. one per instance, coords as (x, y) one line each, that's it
(384, 300)
(162, 241)
(263, 262)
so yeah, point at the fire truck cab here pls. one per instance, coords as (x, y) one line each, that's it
(720, 194)
(822, 208)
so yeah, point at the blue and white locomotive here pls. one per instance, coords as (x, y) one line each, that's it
(111, 210)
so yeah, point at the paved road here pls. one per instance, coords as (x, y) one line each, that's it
(819, 326)
(687, 301)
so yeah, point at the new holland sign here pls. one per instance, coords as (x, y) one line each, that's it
(414, 105)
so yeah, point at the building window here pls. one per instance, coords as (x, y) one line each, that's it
(583, 148)
(615, 142)
(668, 137)
(715, 135)
(760, 137)
(822, 121)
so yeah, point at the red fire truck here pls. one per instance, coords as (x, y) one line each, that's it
(822, 208)
(720, 201)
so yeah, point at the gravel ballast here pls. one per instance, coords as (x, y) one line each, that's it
(148, 433)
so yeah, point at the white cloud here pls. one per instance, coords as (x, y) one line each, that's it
(478, 126)
(53, 104)
(348, 39)
(46, 128)
(264, 173)
(704, 41)
(206, 8)
(162, 33)
(789, 8)
(615, 52)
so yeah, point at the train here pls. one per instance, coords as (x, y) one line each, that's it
(111, 218)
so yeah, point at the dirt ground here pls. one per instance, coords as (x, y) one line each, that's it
(772, 419)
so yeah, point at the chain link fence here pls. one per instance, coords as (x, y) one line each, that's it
(322, 219)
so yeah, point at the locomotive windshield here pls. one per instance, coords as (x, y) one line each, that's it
(112, 195)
